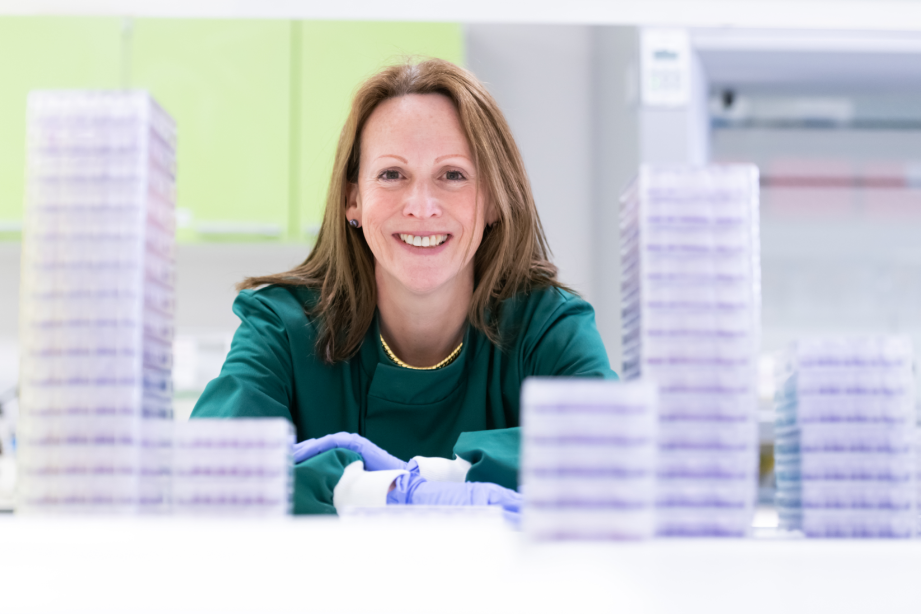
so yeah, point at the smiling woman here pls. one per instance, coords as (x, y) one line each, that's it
(428, 298)
(423, 212)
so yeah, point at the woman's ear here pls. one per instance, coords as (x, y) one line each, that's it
(352, 202)
(492, 214)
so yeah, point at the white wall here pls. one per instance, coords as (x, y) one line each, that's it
(541, 77)
(616, 150)
(206, 276)
(567, 95)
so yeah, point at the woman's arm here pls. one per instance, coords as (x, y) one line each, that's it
(563, 340)
(256, 380)
(315, 481)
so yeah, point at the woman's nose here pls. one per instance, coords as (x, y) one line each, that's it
(421, 201)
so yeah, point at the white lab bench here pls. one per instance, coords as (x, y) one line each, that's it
(123, 565)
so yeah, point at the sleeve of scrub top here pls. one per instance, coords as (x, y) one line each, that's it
(257, 377)
(256, 382)
(316, 479)
(479, 456)
(493, 456)
(563, 340)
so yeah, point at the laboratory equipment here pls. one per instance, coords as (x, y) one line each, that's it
(845, 438)
(239, 467)
(690, 293)
(97, 295)
(588, 456)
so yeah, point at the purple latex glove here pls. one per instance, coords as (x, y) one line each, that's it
(413, 489)
(374, 457)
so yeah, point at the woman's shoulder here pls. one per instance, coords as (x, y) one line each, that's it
(552, 331)
(541, 302)
(531, 313)
(289, 304)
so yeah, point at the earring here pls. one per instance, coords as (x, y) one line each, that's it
(353, 223)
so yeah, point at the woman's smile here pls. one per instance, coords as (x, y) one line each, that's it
(423, 240)
(424, 244)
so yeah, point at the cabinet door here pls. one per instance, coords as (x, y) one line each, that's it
(334, 58)
(45, 53)
(227, 85)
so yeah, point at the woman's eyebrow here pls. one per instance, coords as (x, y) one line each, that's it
(400, 158)
(440, 158)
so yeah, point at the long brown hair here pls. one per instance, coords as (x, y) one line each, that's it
(512, 258)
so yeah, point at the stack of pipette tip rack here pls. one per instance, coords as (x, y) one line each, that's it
(96, 430)
(588, 459)
(917, 479)
(97, 304)
(240, 467)
(845, 438)
(691, 295)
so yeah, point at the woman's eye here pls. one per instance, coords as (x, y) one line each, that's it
(390, 175)
(454, 176)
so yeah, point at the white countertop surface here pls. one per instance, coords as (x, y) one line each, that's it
(327, 565)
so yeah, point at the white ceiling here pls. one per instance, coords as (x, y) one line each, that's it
(885, 15)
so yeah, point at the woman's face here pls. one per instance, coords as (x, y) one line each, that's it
(416, 195)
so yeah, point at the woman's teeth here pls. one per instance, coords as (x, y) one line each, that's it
(429, 241)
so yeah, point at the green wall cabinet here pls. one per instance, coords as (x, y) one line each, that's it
(46, 53)
(334, 58)
(259, 105)
(227, 83)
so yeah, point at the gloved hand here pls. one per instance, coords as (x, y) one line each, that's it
(375, 458)
(413, 489)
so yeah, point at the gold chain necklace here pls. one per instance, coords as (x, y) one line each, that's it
(443, 363)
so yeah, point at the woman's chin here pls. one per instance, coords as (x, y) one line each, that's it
(433, 277)
(427, 285)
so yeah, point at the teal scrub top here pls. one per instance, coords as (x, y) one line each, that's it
(469, 408)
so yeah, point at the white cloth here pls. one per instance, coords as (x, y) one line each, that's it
(435, 469)
(358, 487)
